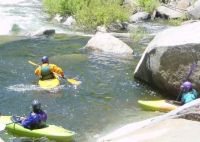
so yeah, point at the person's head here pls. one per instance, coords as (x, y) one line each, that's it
(186, 86)
(36, 106)
(45, 59)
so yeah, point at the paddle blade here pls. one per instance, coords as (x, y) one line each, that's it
(74, 82)
(2, 127)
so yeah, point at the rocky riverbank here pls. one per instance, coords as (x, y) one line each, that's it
(167, 127)
(171, 130)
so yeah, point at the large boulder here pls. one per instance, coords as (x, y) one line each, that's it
(168, 59)
(139, 16)
(172, 130)
(107, 43)
(183, 4)
(194, 10)
(169, 13)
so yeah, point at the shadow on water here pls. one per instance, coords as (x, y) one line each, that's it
(106, 99)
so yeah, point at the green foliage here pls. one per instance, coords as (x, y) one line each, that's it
(53, 6)
(64, 6)
(72, 6)
(101, 13)
(89, 13)
(148, 5)
(173, 22)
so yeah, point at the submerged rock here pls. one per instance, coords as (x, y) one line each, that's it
(44, 31)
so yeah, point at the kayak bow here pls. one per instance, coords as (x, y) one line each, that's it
(158, 105)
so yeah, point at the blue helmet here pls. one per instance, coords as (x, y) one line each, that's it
(36, 105)
(45, 59)
(186, 86)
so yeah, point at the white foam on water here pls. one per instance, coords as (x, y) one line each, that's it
(7, 2)
(23, 87)
(5, 25)
(26, 14)
(29, 16)
(30, 87)
(56, 89)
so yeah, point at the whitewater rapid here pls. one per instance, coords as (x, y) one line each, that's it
(25, 17)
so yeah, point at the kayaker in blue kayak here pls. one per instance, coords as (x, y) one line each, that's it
(188, 94)
(46, 71)
(37, 117)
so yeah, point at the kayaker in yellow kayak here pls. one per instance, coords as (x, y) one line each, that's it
(46, 71)
(36, 119)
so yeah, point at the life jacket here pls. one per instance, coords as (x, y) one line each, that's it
(41, 122)
(46, 72)
(35, 120)
(189, 96)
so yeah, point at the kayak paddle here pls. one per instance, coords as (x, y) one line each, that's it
(72, 80)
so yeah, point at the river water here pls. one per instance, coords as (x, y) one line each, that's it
(105, 100)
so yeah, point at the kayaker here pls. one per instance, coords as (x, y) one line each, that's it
(37, 117)
(188, 94)
(46, 71)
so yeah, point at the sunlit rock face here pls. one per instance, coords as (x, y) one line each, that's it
(168, 59)
(107, 43)
(194, 10)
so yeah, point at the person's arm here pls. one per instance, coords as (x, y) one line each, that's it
(38, 71)
(183, 98)
(43, 116)
(32, 119)
(195, 93)
(57, 70)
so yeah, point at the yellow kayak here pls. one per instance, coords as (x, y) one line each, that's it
(158, 105)
(49, 84)
(52, 132)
